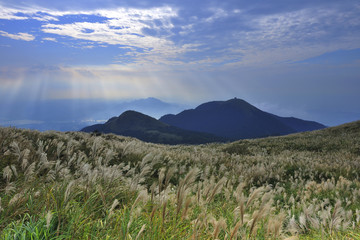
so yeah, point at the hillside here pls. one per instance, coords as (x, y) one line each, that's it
(77, 185)
(236, 119)
(146, 128)
(345, 137)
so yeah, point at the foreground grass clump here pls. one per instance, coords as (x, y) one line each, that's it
(81, 186)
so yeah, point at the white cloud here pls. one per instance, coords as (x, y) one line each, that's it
(44, 18)
(50, 39)
(149, 35)
(18, 36)
(39, 14)
(295, 36)
(144, 32)
(218, 13)
(122, 26)
(10, 14)
(129, 35)
(272, 38)
(126, 27)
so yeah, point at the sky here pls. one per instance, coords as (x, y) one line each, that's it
(296, 58)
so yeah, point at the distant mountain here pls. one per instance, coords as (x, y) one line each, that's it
(150, 106)
(215, 121)
(146, 128)
(236, 119)
(75, 114)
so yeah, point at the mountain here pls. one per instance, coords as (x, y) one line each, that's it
(150, 106)
(146, 128)
(237, 119)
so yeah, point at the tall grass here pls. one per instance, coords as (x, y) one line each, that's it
(80, 186)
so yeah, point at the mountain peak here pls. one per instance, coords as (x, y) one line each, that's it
(235, 103)
(153, 99)
(235, 119)
(150, 100)
(136, 124)
(133, 113)
(212, 121)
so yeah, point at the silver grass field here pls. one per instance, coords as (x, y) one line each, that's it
(76, 185)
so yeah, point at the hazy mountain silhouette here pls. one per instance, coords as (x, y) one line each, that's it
(150, 106)
(75, 114)
(146, 128)
(236, 119)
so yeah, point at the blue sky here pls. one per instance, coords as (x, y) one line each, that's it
(291, 58)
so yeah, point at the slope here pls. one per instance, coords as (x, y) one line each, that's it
(236, 119)
(146, 128)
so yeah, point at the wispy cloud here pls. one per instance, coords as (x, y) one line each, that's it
(18, 36)
(39, 14)
(287, 36)
(224, 36)
(51, 39)
(10, 14)
(146, 30)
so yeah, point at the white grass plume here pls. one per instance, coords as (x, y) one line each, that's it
(10, 188)
(142, 197)
(68, 191)
(59, 149)
(15, 149)
(217, 189)
(24, 164)
(29, 172)
(161, 178)
(7, 173)
(169, 174)
(113, 206)
(17, 197)
(13, 169)
(218, 226)
(140, 232)
(49, 216)
(1, 208)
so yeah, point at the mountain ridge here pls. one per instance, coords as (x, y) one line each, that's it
(146, 128)
(236, 119)
(215, 121)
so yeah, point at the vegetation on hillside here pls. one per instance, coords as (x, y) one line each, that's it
(77, 185)
(148, 129)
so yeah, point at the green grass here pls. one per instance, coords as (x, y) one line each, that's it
(110, 187)
(30, 228)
